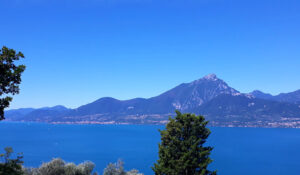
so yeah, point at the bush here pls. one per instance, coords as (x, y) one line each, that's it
(118, 169)
(59, 167)
(10, 166)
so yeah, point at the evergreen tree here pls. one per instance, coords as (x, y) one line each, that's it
(182, 150)
(10, 76)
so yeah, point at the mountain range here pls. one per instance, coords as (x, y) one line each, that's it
(210, 96)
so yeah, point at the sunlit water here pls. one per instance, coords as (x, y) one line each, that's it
(237, 151)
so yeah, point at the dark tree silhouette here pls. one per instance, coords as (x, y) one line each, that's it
(10, 76)
(181, 151)
(11, 166)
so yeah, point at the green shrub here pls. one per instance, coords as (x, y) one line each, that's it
(10, 166)
(59, 167)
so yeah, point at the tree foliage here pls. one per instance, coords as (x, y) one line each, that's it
(182, 150)
(59, 167)
(118, 169)
(10, 76)
(9, 166)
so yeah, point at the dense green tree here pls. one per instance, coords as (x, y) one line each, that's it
(10, 76)
(9, 166)
(182, 150)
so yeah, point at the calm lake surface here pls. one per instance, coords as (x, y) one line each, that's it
(237, 151)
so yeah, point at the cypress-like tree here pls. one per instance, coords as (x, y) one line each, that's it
(182, 150)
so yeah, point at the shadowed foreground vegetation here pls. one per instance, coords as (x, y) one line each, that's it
(57, 166)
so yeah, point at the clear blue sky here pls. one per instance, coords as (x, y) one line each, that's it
(80, 50)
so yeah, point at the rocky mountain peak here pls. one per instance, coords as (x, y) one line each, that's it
(212, 77)
(207, 78)
(198, 92)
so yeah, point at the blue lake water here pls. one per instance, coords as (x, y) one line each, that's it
(237, 151)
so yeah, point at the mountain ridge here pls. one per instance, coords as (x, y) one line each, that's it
(291, 97)
(208, 96)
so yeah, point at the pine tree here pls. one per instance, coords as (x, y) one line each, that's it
(182, 150)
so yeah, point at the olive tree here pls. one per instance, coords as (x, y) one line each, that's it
(58, 166)
(118, 169)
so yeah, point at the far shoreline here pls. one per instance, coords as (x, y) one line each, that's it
(138, 124)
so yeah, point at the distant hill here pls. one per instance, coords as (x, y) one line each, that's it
(31, 114)
(262, 95)
(16, 114)
(292, 97)
(208, 96)
(246, 108)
